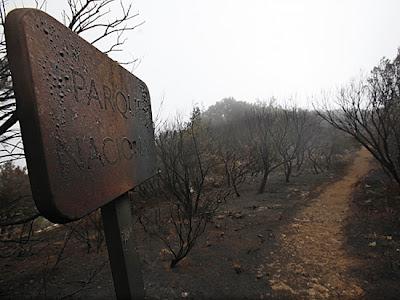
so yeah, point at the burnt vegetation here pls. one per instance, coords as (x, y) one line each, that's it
(230, 148)
(368, 110)
(204, 162)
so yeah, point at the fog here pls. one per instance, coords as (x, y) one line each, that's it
(192, 52)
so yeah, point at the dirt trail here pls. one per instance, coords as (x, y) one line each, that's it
(313, 263)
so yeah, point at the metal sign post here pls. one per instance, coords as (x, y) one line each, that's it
(117, 221)
(87, 130)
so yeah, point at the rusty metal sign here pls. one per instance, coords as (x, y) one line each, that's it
(86, 122)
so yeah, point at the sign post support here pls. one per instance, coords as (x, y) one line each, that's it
(124, 261)
(87, 130)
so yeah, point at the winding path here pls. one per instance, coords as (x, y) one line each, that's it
(313, 263)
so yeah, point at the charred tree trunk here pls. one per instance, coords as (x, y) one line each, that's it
(264, 180)
(235, 188)
(288, 171)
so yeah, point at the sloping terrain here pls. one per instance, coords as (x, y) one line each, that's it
(327, 236)
(313, 261)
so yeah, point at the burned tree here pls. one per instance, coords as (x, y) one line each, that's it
(189, 203)
(290, 137)
(260, 126)
(369, 110)
(232, 154)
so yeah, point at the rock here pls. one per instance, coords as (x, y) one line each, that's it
(184, 294)
(238, 215)
(281, 286)
(237, 267)
(320, 290)
(165, 254)
(311, 293)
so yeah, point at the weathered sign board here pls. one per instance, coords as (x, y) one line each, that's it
(86, 122)
(87, 131)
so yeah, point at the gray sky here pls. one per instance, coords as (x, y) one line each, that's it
(198, 52)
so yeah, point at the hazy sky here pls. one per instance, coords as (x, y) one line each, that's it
(198, 52)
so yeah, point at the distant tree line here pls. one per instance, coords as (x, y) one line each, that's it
(206, 159)
(202, 162)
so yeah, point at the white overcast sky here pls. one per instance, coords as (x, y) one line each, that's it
(198, 52)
